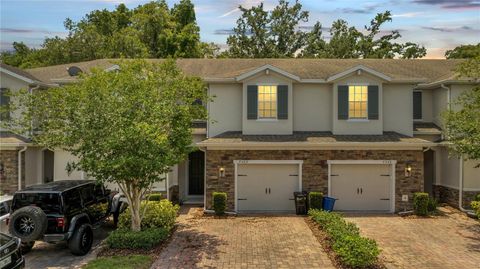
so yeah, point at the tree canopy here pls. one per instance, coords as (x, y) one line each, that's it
(127, 126)
(464, 52)
(278, 33)
(462, 121)
(152, 30)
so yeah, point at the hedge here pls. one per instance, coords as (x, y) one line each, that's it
(344, 237)
(476, 206)
(315, 200)
(127, 239)
(159, 214)
(420, 203)
(477, 197)
(219, 202)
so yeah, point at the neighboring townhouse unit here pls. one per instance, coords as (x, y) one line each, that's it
(367, 132)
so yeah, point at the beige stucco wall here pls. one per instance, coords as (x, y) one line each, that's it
(33, 166)
(267, 126)
(225, 111)
(449, 172)
(357, 126)
(427, 105)
(62, 158)
(14, 84)
(439, 104)
(398, 108)
(312, 107)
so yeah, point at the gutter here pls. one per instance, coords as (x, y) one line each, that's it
(20, 166)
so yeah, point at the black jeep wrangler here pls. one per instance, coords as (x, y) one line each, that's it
(60, 211)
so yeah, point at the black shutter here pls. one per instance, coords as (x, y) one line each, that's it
(417, 105)
(342, 102)
(282, 109)
(252, 102)
(373, 102)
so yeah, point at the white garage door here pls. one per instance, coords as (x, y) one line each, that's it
(266, 187)
(362, 187)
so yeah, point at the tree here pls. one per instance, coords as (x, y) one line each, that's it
(263, 34)
(277, 34)
(128, 127)
(464, 52)
(151, 30)
(462, 121)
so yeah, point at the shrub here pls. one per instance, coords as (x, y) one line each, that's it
(477, 197)
(315, 200)
(219, 202)
(344, 237)
(420, 203)
(432, 205)
(127, 239)
(155, 197)
(476, 206)
(161, 214)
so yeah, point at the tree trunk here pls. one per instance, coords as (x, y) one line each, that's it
(135, 209)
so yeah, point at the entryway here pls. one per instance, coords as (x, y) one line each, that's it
(361, 186)
(196, 177)
(48, 165)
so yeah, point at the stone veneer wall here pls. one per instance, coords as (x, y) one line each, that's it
(9, 179)
(450, 196)
(315, 169)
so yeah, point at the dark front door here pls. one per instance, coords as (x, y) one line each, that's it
(429, 171)
(196, 172)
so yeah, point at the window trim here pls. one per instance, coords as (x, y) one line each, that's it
(273, 119)
(353, 119)
(421, 106)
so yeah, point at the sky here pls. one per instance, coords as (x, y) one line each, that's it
(436, 24)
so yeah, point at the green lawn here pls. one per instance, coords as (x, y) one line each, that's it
(119, 262)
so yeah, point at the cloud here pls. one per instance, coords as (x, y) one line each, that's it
(223, 32)
(30, 31)
(408, 15)
(450, 29)
(451, 4)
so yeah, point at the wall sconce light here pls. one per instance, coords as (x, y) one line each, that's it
(408, 170)
(221, 172)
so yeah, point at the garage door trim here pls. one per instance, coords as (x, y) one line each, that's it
(392, 164)
(240, 162)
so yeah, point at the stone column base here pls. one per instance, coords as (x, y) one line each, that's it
(450, 196)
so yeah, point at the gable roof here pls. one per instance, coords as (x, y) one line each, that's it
(359, 68)
(425, 71)
(17, 73)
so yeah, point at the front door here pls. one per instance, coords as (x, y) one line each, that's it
(196, 172)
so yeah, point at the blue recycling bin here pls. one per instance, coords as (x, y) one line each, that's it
(328, 203)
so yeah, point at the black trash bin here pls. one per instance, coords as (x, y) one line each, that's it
(301, 202)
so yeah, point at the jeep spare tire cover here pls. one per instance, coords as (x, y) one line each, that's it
(28, 223)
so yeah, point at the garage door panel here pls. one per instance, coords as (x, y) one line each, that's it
(266, 187)
(361, 186)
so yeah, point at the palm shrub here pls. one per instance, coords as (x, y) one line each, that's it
(420, 203)
(315, 200)
(219, 203)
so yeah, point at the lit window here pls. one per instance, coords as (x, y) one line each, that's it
(267, 102)
(357, 102)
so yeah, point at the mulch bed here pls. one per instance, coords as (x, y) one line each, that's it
(324, 241)
(154, 252)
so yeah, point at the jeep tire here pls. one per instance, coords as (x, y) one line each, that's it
(28, 223)
(81, 241)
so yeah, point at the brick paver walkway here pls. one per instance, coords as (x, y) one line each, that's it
(242, 242)
(450, 241)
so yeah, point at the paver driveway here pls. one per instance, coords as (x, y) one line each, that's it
(450, 241)
(242, 242)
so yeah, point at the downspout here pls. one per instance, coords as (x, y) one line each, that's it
(20, 166)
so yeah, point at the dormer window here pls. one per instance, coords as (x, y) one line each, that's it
(267, 102)
(357, 102)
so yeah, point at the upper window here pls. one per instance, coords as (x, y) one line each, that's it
(357, 102)
(267, 102)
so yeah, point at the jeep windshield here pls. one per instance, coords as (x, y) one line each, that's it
(50, 203)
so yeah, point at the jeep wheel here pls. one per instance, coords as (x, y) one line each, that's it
(81, 241)
(28, 223)
(26, 246)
